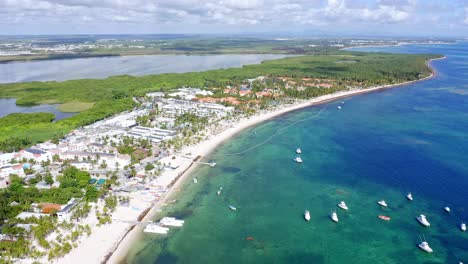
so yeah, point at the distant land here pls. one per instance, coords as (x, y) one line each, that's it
(26, 48)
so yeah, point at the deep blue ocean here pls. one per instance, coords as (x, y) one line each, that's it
(380, 145)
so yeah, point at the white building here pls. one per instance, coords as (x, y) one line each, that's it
(6, 158)
(178, 107)
(190, 93)
(66, 212)
(38, 155)
(153, 134)
(7, 170)
(26, 215)
(111, 160)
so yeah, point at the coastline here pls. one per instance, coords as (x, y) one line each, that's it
(204, 148)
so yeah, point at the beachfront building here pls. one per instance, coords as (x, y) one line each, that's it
(66, 212)
(173, 107)
(111, 160)
(26, 215)
(155, 135)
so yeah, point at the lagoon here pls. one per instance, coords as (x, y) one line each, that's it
(102, 67)
(8, 106)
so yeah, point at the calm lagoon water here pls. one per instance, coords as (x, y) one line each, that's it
(8, 106)
(379, 146)
(96, 68)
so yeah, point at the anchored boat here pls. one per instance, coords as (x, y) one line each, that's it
(422, 220)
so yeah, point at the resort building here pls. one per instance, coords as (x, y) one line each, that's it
(6, 158)
(7, 170)
(66, 212)
(26, 215)
(155, 135)
(38, 155)
(173, 107)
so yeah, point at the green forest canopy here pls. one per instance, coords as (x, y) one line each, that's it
(113, 94)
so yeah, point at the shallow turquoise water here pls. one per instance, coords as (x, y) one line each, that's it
(379, 146)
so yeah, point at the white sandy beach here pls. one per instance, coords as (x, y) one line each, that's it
(115, 239)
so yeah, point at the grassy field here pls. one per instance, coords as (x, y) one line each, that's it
(114, 94)
(74, 107)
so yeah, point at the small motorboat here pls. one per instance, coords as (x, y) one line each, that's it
(232, 207)
(339, 107)
(447, 209)
(382, 203)
(463, 227)
(195, 180)
(334, 217)
(343, 205)
(384, 217)
(422, 220)
(409, 196)
(298, 151)
(219, 191)
(298, 159)
(307, 215)
(425, 246)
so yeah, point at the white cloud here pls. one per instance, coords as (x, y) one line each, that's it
(263, 13)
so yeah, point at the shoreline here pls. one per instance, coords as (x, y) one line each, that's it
(204, 148)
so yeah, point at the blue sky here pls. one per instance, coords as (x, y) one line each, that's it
(315, 17)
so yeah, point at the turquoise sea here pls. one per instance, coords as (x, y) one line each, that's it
(378, 146)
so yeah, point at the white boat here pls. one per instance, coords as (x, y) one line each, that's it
(298, 151)
(171, 221)
(307, 215)
(298, 160)
(219, 190)
(447, 209)
(157, 229)
(339, 107)
(425, 246)
(195, 180)
(382, 203)
(343, 205)
(334, 217)
(409, 196)
(463, 227)
(422, 219)
(232, 207)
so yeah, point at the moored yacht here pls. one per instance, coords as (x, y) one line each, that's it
(425, 246)
(334, 217)
(463, 227)
(298, 151)
(422, 219)
(382, 203)
(343, 205)
(447, 209)
(298, 159)
(409, 196)
(307, 215)
(154, 228)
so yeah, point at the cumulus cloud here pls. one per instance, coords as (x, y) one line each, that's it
(220, 12)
